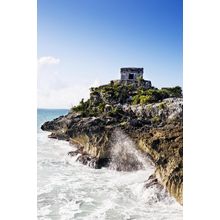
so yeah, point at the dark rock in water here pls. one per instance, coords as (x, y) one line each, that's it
(152, 181)
(59, 135)
(87, 159)
(160, 192)
(102, 162)
(73, 153)
(56, 124)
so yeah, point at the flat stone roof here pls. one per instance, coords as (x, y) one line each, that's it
(131, 69)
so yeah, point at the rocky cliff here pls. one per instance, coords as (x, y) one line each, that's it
(150, 118)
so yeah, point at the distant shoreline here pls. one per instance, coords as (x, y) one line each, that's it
(54, 109)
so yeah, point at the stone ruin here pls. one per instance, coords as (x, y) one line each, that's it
(133, 75)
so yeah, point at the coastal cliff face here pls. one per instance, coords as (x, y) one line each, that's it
(151, 119)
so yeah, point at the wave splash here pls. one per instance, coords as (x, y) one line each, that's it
(124, 154)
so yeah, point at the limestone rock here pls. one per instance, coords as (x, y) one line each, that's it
(155, 128)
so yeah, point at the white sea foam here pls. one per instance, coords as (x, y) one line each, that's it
(70, 190)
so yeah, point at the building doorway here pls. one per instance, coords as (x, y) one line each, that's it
(131, 76)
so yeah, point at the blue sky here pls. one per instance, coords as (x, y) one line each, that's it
(84, 43)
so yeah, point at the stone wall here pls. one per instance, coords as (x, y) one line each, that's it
(143, 83)
(131, 70)
(137, 72)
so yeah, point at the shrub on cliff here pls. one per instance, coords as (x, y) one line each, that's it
(149, 96)
(116, 112)
(113, 93)
(81, 107)
(101, 107)
(145, 99)
(174, 91)
(146, 96)
(135, 99)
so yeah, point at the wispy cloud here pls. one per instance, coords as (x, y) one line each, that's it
(65, 97)
(55, 89)
(49, 60)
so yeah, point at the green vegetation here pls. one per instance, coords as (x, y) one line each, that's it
(86, 109)
(115, 112)
(174, 91)
(101, 107)
(81, 107)
(116, 93)
(155, 95)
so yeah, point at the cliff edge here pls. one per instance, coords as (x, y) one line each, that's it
(151, 118)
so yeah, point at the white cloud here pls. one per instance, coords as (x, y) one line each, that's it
(63, 97)
(57, 89)
(49, 60)
(96, 83)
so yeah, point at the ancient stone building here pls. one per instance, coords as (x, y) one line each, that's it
(133, 75)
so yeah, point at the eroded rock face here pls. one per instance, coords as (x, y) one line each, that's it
(155, 129)
(165, 147)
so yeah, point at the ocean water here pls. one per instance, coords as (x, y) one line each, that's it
(69, 190)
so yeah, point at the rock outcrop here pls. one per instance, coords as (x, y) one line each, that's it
(151, 119)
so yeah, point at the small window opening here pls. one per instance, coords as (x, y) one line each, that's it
(131, 76)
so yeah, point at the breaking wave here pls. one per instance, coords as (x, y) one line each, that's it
(124, 154)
